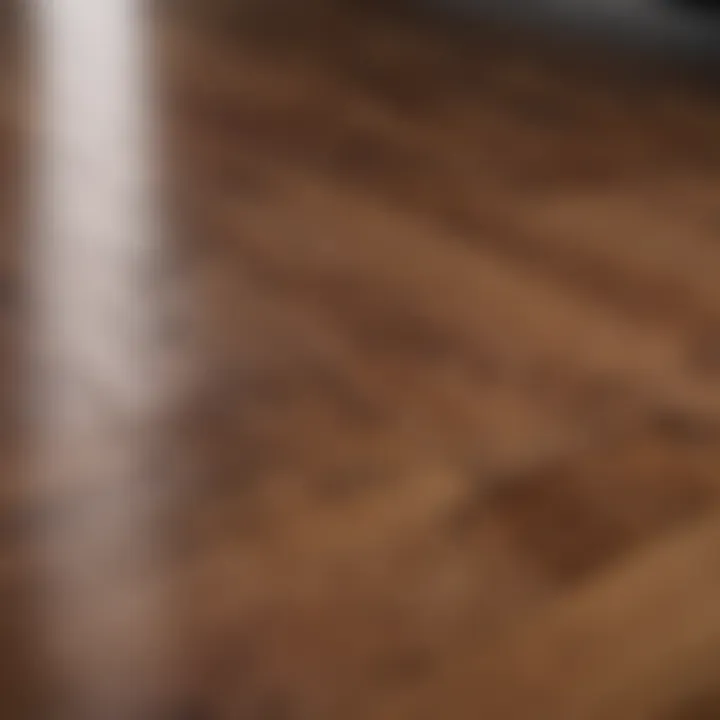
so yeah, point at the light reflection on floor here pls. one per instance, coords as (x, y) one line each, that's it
(101, 391)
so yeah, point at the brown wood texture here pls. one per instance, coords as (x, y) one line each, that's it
(456, 445)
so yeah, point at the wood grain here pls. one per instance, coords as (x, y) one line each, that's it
(455, 430)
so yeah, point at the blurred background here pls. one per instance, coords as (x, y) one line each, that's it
(359, 360)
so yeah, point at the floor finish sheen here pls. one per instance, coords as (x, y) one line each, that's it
(454, 439)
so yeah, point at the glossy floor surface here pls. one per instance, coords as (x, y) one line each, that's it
(453, 444)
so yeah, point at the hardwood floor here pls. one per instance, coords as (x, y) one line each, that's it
(454, 433)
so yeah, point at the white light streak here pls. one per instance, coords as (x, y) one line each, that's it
(100, 389)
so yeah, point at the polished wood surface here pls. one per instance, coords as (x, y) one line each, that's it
(454, 428)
